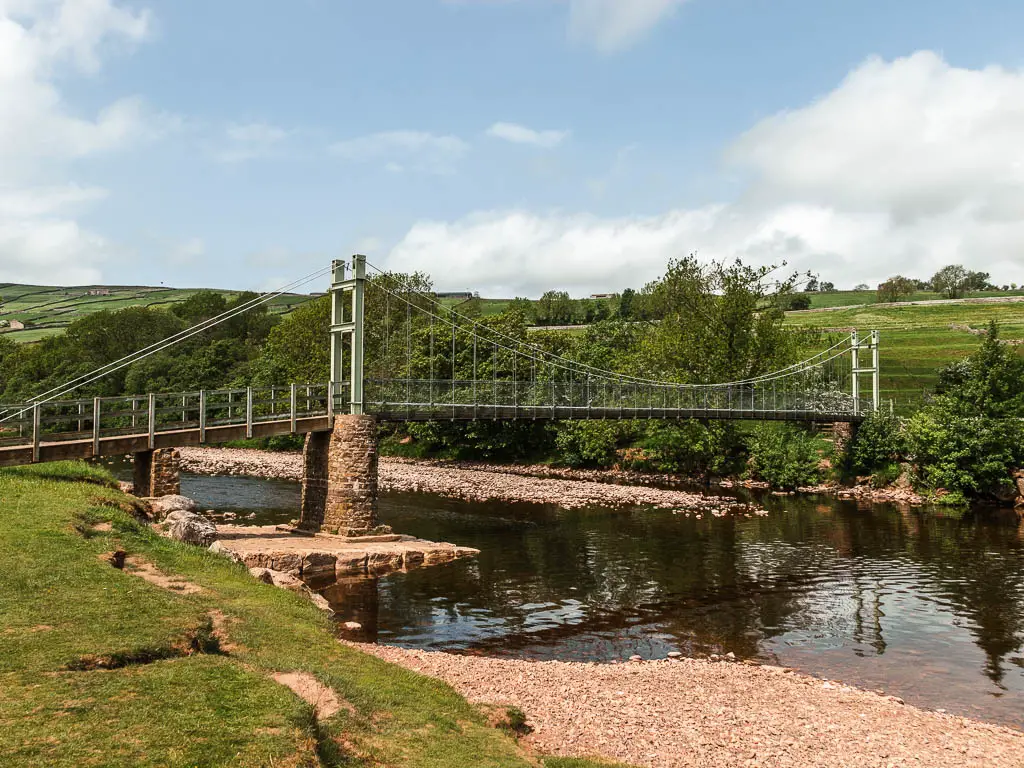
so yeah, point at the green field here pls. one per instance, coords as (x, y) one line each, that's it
(918, 340)
(47, 310)
(853, 298)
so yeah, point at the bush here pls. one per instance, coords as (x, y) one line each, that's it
(880, 442)
(972, 456)
(687, 448)
(784, 456)
(590, 443)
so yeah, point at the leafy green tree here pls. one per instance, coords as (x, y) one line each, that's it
(200, 306)
(951, 281)
(298, 349)
(525, 307)
(719, 322)
(988, 383)
(591, 443)
(896, 288)
(880, 442)
(626, 302)
(971, 437)
(554, 308)
(784, 455)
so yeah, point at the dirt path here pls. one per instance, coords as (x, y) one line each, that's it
(689, 712)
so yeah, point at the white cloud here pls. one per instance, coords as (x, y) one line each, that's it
(42, 42)
(520, 134)
(187, 252)
(612, 25)
(906, 166)
(249, 141)
(401, 150)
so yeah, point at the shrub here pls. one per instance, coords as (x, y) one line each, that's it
(687, 447)
(590, 443)
(879, 443)
(973, 456)
(784, 455)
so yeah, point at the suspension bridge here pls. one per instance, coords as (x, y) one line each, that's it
(416, 359)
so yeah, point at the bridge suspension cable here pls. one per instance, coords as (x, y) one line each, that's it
(486, 373)
(165, 343)
(568, 364)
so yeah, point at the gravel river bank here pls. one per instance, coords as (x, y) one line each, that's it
(471, 482)
(688, 712)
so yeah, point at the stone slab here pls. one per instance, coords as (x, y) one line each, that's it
(312, 558)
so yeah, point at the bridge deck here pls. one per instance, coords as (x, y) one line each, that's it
(81, 429)
(119, 445)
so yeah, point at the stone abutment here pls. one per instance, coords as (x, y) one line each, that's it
(157, 473)
(339, 484)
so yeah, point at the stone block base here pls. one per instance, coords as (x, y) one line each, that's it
(157, 473)
(339, 486)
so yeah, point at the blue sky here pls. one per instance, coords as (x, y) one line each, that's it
(507, 146)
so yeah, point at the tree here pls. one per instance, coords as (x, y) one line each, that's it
(971, 436)
(524, 307)
(798, 301)
(626, 301)
(812, 285)
(554, 308)
(895, 288)
(718, 322)
(862, 287)
(200, 306)
(826, 287)
(950, 281)
(978, 281)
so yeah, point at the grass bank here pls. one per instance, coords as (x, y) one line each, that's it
(101, 667)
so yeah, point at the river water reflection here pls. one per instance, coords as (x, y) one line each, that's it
(928, 608)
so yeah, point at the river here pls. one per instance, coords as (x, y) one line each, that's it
(921, 606)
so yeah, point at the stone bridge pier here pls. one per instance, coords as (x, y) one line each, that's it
(339, 479)
(157, 473)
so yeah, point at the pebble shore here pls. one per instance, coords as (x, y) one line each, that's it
(683, 713)
(474, 482)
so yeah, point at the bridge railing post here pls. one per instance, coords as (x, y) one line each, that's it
(151, 418)
(340, 328)
(248, 413)
(293, 402)
(855, 376)
(96, 426)
(202, 416)
(36, 437)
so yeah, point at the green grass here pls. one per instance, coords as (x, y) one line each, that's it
(64, 609)
(850, 298)
(918, 340)
(48, 310)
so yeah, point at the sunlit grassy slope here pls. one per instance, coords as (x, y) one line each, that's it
(917, 340)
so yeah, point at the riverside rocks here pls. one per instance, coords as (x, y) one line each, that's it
(486, 484)
(190, 528)
(161, 507)
(685, 713)
(292, 584)
(322, 558)
(482, 482)
(865, 492)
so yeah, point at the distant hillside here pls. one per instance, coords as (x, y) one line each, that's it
(918, 339)
(47, 310)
